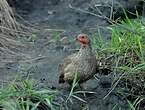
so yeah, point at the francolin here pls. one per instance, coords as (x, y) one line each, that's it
(83, 63)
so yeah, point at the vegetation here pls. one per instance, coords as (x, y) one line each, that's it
(23, 96)
(123, 54)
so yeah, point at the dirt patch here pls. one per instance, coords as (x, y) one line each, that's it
(50, 49)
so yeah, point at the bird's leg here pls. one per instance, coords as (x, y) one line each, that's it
(81, 86)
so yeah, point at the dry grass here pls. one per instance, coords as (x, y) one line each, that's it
(10, 30)
(7, 19)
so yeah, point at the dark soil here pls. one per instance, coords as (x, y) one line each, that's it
(56, 14)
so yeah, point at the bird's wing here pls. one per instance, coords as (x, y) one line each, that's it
(62, 66)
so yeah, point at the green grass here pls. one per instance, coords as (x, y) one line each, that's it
(126, 53)
(23, 96)
(75, 94)
(135, 104)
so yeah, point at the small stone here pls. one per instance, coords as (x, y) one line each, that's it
(50, 12)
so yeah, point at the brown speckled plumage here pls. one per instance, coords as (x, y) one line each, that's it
(83, 63)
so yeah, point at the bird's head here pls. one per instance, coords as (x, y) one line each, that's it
(83, 40)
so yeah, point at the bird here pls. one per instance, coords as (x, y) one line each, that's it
(83, 63)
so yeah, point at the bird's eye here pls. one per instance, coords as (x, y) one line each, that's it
(82, 37)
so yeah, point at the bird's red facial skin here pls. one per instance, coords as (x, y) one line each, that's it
(83, 39)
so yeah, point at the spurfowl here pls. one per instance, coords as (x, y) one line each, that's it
(82, 63)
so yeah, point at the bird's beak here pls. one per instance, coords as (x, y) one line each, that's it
(77, 39)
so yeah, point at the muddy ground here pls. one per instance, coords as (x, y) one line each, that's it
(69, 19)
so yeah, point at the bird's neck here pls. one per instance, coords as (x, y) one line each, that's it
(85, 50)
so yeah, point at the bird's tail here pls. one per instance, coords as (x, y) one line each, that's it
(61, 78)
